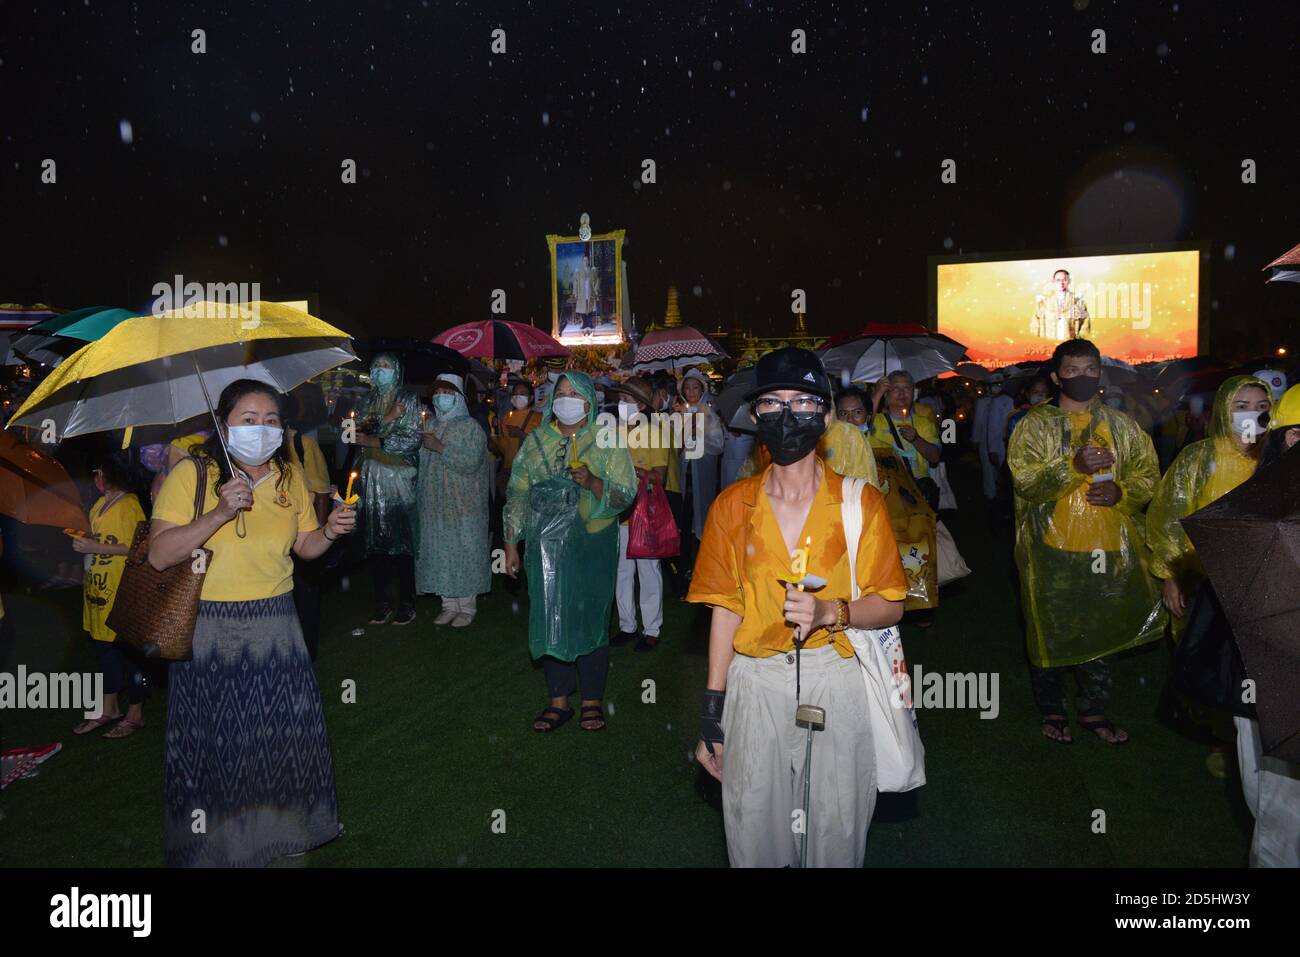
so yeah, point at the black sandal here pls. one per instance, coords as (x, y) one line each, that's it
(561, 716)
(1105, 724)
(1061, 725)
(592, 712)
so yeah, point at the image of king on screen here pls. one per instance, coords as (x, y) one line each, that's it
(1061, 314)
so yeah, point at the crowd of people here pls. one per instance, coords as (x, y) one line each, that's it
(562, 478)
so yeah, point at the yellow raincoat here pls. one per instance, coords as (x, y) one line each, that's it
(1201, 473)
(1085, 590)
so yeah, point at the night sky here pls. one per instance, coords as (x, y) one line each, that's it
(775, 170)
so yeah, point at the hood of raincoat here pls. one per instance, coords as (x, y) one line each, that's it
(381, 400)
(458, 410)
(1220, 425)
(583, 386)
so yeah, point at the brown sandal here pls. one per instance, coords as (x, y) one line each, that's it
(94, 724)
(125, 728)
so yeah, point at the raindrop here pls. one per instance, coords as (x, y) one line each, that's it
(925, 79)
(726, 184)
(717, 66)
(124, 131)
(1130, 126)
(864, 114)
(947, 242)
(546, 119)
(222, 241)
(1162, 50)
(698, 290)
(255, 116)
(1230, 252)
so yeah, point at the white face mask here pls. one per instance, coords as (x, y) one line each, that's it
(253, 444)
(600, 398)
(627, 409)
(1245, 426)
(569, 409)
(519, 401)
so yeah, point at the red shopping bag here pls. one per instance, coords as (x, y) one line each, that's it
(652, 531)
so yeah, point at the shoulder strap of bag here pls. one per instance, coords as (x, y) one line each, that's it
(851, 516)
(200, 490)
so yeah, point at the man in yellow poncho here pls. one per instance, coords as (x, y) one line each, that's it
(1082, 473)
(1203, 472)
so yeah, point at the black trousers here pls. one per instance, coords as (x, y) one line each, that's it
(679, 568)
(589, 671)
(121, 670)
(384, 570)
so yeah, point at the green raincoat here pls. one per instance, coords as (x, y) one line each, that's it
(1202, 472)
(388, 473)
(1084, 585)
(571, 537)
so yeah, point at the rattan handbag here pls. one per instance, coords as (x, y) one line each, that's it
(156, 610)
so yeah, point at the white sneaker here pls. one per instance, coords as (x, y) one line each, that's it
(449, 611)
(461, 620)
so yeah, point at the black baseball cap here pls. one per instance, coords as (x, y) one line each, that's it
(791, 368)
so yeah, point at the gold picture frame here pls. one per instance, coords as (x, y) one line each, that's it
(610, 274)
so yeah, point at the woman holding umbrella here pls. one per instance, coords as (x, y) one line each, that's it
(246, 740)
(389, 435)
(565, 495)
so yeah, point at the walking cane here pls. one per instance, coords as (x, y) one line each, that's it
(809, 716)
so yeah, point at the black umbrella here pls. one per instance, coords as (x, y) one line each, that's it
(1249, 542)
(422, 360)
(732, 398)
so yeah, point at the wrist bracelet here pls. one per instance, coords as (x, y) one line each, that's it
(326, 533)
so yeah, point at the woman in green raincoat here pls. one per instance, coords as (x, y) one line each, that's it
(1082, 473)
(565, 494)
(1202, 472)
(388, 434)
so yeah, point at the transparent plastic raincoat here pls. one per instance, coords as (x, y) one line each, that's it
(1201, 473)
(453, 554)
(1084, 584)
(570, 536)
(388, 474)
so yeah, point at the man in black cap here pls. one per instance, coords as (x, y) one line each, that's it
(762, 534)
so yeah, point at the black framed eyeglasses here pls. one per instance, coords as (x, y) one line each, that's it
(801, 406)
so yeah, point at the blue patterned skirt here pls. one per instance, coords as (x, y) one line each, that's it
(246, 742)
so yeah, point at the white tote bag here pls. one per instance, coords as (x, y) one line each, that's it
(900, 755)
(951, 565)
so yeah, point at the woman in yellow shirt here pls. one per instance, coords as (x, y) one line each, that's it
(246, 739)
(754, 529)
(113, 520)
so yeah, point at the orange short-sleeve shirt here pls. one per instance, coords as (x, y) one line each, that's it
(742, 558)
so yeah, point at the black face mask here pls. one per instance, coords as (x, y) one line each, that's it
(789, 439)
(1081, 388)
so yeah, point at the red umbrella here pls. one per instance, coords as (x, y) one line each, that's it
(498, 339)
(678, 346)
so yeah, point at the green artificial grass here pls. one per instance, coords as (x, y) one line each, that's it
(440, 739)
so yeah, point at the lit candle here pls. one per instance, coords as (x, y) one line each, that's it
(573, 452)
(348, 495)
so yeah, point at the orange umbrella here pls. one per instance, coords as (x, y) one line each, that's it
(35, 489)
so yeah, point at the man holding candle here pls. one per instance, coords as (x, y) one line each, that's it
(752, 541)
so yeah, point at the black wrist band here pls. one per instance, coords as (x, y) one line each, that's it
(711, 718)
(326, 533)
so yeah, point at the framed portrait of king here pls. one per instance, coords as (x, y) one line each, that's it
(587, 289)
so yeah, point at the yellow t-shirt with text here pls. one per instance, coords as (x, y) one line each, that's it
(114, 526)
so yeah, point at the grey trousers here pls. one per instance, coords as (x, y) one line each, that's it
(763, 762)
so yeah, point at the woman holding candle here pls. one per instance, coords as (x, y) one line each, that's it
(389, 435)
(564, 498)
(453, 551)
(246, 740)
(758, 532)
